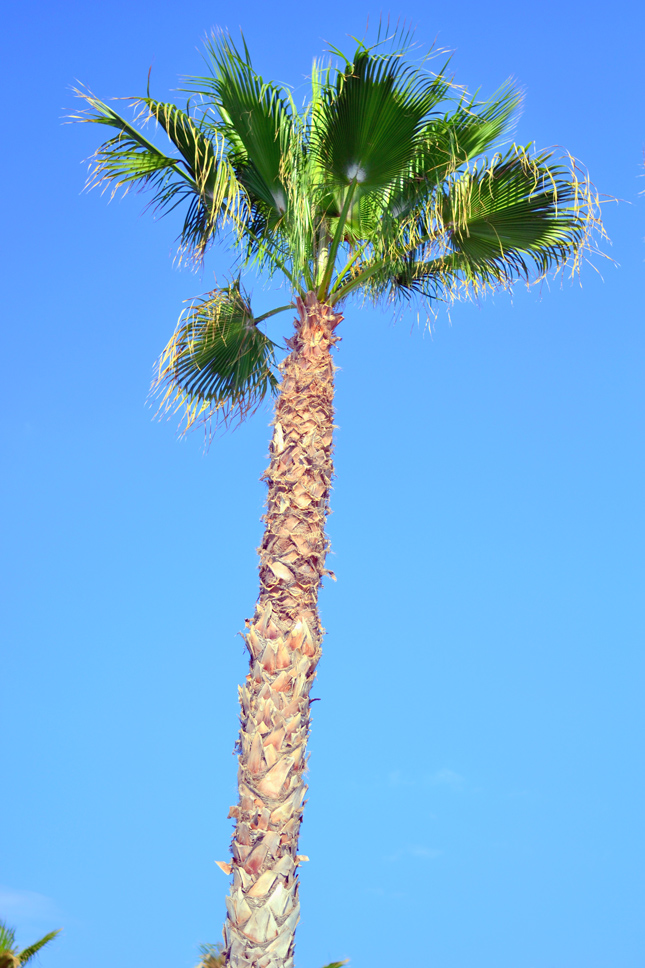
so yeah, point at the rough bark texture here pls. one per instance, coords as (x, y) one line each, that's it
(284, 642)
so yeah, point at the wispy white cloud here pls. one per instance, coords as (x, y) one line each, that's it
(442, 777)
(398, 779)
(381, 892)
(445, 777)
(18, 906)
(425, 852)
(415, 850)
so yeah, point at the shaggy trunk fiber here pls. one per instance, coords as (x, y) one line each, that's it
(284, 642)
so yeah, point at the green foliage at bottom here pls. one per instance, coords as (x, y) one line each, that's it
(212, 956)
(14, 957)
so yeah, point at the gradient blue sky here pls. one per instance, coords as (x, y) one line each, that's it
(476, 777)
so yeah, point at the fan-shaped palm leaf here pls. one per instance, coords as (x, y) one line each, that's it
(368, 123)
(448, 142)
(475, 126)
(517, 214)
(255, 118)
(218, 362)
(517, 217)
(130, 157)
(202, 178)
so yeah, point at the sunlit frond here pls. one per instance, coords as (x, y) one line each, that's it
(13, 957)
(519, 216)
(218, 366)
(202, 179)
(446, 144)
(369, 122)
(129, 158)
(256, 120)
(475, 126)
(515, 218)
(28, 953)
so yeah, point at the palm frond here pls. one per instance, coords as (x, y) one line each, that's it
(13, 957)
(202, 178)
(519, 216)
(211, 956)
(7, 937)
(447, 143)
(28, 953)
(218, 365)
(200, 153)
(256, 120)
(129, 157)
(475, 126)
(368, 123)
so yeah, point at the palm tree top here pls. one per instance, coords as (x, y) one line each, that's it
(387, 183)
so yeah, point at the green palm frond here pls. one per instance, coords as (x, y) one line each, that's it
(218, 365)
(13, 957)
(447, 143)
(476, 126)
(255, 118)
(28, 953)
(202, 178)
(129, 157)
(7, 939)
(369, 122)
(365, 141)
(518, 217)
(200, 153)
(220, 197)
(211, 956)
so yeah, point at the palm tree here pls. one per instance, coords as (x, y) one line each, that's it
(386, 185)
(14, 957)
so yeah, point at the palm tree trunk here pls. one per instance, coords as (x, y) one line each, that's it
(284, 642)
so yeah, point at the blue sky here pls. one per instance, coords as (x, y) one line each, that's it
(476, 793)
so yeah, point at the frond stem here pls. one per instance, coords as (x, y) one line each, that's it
(280, 309)
(348, 265)
(338, 238)
(278, 262)
(354, 283)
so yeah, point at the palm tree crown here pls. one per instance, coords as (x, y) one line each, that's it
(382, 185)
